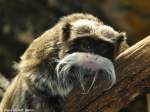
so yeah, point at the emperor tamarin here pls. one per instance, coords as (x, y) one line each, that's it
(77, 50)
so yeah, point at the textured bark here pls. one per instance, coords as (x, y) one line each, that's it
(3, 85)
(133, 78)
(148, 102)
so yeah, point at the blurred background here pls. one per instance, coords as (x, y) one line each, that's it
(21, 21)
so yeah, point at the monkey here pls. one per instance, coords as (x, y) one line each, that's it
(78, 50)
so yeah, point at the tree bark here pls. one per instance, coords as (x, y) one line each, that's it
(148, 102)
(133, 79)
(4, 82)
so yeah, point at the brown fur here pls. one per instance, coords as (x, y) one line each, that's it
(37, 60)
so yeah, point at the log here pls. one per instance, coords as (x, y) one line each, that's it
(148, 102)
(4, 82)
(133, 79)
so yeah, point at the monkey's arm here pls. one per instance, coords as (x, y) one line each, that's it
(14, 96)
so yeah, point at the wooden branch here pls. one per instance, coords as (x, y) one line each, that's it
(3, 85)
(133, 77)
(148, 102)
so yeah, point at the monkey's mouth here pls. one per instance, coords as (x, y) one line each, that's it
(85, 69)
(86, 78)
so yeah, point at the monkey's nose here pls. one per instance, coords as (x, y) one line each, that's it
(89, 61)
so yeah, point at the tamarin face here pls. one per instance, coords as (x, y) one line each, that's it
(78, 50)
(87, 54)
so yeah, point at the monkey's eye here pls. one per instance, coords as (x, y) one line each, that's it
(88, 47)
(103, 48)
(85, 47)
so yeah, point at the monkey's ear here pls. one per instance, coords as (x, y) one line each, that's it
(121, 43)
(66, 30)
(121, 38)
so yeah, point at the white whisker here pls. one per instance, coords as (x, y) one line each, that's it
(94, 79)
(56, 59)
(81, 81)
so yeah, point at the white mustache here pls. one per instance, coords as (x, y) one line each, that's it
(63, 67)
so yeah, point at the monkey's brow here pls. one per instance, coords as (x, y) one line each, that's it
(59, 43)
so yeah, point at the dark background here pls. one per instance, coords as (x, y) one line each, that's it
(23, 20)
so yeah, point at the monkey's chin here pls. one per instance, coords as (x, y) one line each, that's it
(85, 69)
